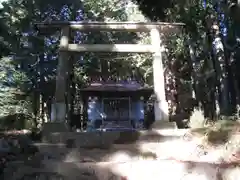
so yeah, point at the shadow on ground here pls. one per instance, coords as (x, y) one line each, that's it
(78, 158)
(72, 161)
(64, 171)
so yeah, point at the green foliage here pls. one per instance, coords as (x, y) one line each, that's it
(12, 98)
(28, 77)
(32, 78)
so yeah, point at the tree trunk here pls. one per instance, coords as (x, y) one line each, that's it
(213, 100)
(221, 69)
(195, 93)
(71, 91)
(35, 107)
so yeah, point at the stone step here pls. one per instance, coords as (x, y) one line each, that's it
(76, 149)
(161, 125)
(106, 139)
(58, 133)
(82, 139)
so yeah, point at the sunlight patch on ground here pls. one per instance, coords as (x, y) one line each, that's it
(72, 156)
(155, 170)
(120, 156)
(172, 148)
(231, 174)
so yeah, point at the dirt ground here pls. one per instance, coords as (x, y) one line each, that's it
(202, 154)
(176, 155)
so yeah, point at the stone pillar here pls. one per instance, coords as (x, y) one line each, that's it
(58, 108)
(160, 105)
(61, 79)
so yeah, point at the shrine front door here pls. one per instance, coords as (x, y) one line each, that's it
(117, 111)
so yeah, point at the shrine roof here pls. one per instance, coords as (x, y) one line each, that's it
(116, 86)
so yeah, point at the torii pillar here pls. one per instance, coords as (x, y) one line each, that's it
(58, 108)
(160, 105)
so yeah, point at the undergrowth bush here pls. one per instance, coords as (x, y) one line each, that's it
(197, 119)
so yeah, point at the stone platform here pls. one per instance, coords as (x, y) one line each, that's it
(97, 145)
(59, 133)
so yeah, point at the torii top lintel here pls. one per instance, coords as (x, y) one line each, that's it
(106, 26)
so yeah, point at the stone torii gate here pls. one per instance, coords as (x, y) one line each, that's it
(59, 106)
